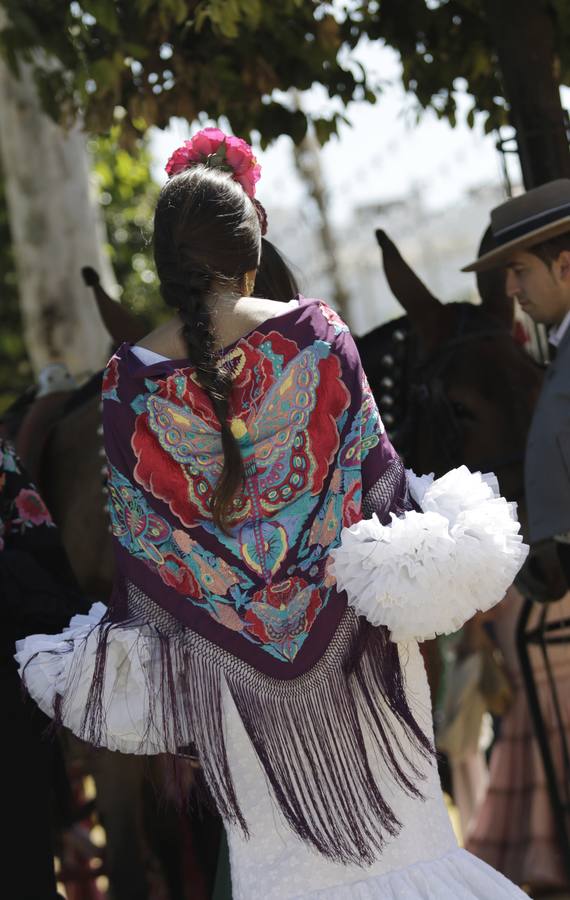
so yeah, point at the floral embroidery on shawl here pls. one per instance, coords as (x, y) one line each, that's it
(333, 318)
(111, 380)
(288, 411)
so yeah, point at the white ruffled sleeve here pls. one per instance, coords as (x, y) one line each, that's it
(58, 671)
(426, 573)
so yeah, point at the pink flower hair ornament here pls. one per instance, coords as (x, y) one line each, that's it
(211, 147)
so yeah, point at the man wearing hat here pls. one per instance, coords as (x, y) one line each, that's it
(532, 242)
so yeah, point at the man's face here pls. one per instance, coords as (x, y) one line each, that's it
(543, 291)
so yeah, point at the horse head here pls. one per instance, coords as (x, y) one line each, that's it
(473, 388)
(469, 395)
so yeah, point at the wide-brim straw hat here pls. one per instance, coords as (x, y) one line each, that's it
(539, 215)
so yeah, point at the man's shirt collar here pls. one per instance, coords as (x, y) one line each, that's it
(557, 333)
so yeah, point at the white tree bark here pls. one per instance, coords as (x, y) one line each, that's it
(56, 229)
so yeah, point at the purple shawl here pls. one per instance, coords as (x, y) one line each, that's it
(260, 609)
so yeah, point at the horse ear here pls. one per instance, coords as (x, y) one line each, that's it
(121, 325)
(425, 311)
(491, 287)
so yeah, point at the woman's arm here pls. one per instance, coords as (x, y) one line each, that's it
(428, 554)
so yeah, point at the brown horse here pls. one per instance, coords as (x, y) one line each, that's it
(72, 482)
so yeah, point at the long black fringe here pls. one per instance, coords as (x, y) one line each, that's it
(313, 735)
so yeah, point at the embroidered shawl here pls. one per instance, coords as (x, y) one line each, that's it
(195, 611)
(312, 443)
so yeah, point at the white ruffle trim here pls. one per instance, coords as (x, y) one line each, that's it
(58, 669)
(426, 573)
(456, 876)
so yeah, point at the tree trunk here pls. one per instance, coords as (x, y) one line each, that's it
(523, 32)
(309, 167)
(55, 227)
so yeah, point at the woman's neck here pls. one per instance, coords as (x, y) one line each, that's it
(230, 320)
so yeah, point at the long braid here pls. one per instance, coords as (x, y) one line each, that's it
(197, 333)
(187, 280)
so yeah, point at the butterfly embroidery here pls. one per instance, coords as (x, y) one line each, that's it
(280, 615)
(289, 413)
(272, 439)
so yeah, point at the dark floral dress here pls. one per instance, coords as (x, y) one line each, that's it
(37, 592)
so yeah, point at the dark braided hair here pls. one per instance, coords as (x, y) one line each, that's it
(206, 237)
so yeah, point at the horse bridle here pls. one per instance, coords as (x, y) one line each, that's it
(427, 391)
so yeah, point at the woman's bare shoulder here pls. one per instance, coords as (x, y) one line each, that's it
(257, 309)
(229, 324)
(166, 339)
(247, 314)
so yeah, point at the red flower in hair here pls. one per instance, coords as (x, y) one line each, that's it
(212, 147)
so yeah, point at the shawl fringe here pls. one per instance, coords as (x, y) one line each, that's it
(147, 685)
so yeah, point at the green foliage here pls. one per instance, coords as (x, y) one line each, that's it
(235, 58)
(163, 58)
(128, 197)
(440, 43)
(449, 45)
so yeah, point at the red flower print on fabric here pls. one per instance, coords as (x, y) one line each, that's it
(176, 574)
(111, 380)
(31, 508)
(351, 505)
